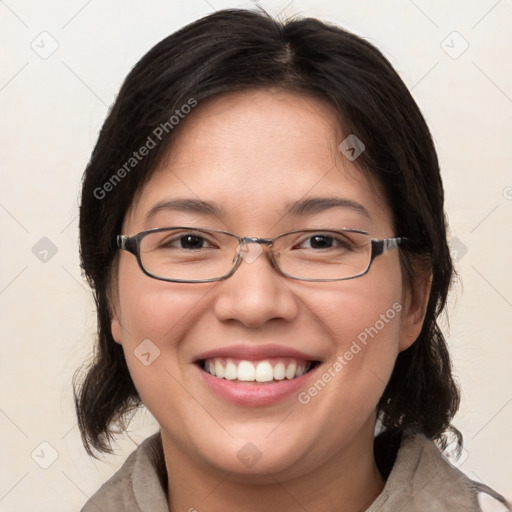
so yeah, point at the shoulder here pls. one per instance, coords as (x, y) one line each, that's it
(423, 480)
(136, 486)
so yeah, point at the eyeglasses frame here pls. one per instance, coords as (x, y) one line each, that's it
(380, 246)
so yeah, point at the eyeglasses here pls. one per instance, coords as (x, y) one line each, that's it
(191, 255)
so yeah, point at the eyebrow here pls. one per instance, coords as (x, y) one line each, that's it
(302, 207)
(320, 204)
(208, 208)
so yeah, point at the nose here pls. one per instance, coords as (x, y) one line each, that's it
(256, 292)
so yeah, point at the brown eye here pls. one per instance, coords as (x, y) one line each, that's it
(325, 241)
(190, 241)
(321, 241)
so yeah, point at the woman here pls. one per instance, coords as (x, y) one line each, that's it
(262, 224)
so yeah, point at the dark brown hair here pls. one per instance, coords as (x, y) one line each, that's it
(238, 49)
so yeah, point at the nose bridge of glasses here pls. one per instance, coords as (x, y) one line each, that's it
(250, 253)
(255, 240)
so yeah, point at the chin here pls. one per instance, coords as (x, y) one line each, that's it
(255, 464)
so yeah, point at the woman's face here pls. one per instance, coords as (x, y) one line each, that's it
(254, 154)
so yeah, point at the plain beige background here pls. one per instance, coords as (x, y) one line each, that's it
(62, 65)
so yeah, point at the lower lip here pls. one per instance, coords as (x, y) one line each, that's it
(254, 394)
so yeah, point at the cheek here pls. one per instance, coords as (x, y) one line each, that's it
(363, 322)
(363, 310)
(154, 309)
(155, 316)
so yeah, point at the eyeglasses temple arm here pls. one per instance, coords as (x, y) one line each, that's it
(122, 241)
(385, 245)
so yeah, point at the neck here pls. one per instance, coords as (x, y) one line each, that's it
(347, 480)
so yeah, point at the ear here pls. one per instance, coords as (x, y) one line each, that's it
(115, 324)
(115, 327)
(113, 306)
(415, 301)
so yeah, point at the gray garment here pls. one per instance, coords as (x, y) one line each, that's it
(420, 480)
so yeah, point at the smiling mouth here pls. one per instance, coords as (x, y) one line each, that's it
(263, 371)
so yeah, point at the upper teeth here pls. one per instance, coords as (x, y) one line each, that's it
(256, 371)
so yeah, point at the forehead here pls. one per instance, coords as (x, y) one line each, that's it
(254, 152)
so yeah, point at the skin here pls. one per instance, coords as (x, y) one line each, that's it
(252, 152)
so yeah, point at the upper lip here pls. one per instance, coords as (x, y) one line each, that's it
(252, 352)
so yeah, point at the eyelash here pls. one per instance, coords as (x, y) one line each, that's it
(345, 243)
